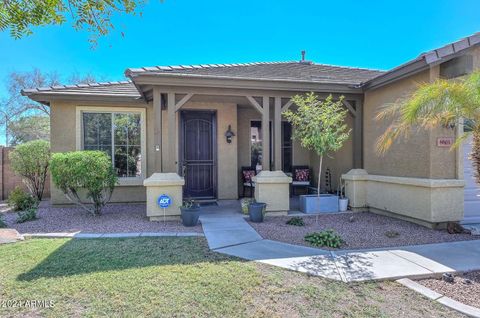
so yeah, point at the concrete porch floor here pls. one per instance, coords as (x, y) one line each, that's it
(233, 207)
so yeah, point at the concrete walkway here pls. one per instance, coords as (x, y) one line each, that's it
(230, 234)
(79, 235)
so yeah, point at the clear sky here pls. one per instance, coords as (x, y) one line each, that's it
(372, 34)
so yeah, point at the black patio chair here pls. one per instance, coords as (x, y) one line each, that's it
(247, 179)
(301, 178)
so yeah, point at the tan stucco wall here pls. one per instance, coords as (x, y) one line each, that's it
(418, 156)
(63, 138)
(429, 202)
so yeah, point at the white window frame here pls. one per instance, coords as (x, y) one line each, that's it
(123, 181)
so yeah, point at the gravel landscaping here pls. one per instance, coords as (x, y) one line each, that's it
(358, 230)
(115, 218)
(465, 288)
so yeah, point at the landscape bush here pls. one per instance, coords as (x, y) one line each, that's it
(2, 222)
(30, 161)
(296, 221)
(20, 200)
(29, 214)
(88, 172)
(327, 238)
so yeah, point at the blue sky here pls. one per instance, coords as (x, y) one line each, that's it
(373, 34)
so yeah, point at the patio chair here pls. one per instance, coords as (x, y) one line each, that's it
(301, 178)
(247, 179)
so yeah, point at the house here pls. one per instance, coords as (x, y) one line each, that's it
(175, 119)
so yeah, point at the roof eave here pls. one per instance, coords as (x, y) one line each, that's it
(47, 97)
(171, 79)
(425, 61)
(396, 74)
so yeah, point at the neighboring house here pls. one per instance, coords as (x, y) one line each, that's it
(174, 119)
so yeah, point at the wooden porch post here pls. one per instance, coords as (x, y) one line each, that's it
(277, 124)
(157, 130)
(170, 165)
(358, 135)
(266, 133)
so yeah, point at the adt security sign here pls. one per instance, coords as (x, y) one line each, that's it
(164, 201)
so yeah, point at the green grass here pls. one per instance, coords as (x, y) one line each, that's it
(165, 277)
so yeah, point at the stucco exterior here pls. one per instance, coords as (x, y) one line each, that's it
(63, 127)
(429, 202)
(414, 157)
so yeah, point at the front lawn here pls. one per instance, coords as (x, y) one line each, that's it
(167, 277)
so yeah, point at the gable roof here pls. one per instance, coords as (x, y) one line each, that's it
(279, 71)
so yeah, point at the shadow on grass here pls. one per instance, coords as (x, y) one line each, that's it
(83, 256)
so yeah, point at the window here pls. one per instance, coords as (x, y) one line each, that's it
(256, 156)
(119, 134)
(286, 146)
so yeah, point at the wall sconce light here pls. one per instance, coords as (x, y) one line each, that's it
(450, 125)
(229, 134)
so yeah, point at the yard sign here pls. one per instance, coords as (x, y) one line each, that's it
(164, 201)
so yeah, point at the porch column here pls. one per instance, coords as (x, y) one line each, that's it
(358, 135)
(170, 165)
(277, 124)
(266, 133)
(157, 130)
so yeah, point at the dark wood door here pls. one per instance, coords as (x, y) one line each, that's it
(198, 153)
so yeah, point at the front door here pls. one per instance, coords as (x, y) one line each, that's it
(198, 153)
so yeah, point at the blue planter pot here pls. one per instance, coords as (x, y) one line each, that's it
(325, 203)
(255, 211)
(190, 216)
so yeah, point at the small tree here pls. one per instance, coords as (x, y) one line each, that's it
(319, 125)
(89, 171)
(30, 161)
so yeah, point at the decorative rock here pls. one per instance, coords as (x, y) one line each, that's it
(448, 278)
(467, 281)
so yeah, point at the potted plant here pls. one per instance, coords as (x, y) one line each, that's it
(245, 202)
(342, 201)
(256, 211)
(190, 212)
(320, 126)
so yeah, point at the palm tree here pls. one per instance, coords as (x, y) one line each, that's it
(442, 102)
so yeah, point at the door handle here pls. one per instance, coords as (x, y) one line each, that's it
(184, 170)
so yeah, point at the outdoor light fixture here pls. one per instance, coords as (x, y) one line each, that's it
(229, 134)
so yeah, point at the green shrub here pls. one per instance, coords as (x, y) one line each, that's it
(29, 214)
(2, 222)
(297, 221)
(30, 161)
(88, 171)
(20, 200)
(326, 238)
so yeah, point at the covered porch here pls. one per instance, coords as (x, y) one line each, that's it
(208, 135)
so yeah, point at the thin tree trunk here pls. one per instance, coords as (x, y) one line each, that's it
(319, 175)
(475, 154)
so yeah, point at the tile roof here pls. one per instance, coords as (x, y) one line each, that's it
(287, 71)
(294, 71)
(451, 48)
(425, 59)
(114, 89)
